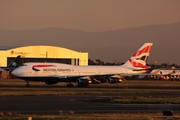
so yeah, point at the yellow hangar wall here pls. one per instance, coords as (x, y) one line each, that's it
(44, 52)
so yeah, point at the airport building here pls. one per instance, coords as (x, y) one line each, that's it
(42, 53)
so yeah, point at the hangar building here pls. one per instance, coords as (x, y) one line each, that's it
(41, 53)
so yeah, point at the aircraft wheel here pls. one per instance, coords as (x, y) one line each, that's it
(69, 85)
(27, 85)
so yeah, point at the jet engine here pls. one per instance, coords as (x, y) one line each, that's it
(83, 81)
(115, 79)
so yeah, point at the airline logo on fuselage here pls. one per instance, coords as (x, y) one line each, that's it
(46, 68)
(56, 70)
(35, 67)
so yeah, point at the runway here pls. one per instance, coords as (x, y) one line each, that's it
(41, 99)
(58, 104)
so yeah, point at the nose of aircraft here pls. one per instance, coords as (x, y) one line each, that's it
(14, 72)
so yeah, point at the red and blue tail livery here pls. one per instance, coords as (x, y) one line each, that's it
(139, 59)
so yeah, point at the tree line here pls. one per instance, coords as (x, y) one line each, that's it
(154, 64)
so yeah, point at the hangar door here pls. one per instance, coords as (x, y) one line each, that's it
(23, 60)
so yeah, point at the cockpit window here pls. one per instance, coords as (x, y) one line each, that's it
(23, 65)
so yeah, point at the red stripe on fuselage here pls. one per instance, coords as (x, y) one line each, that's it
(39, 66)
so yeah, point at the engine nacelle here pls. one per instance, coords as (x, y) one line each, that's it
(115, 79)
(88, 79)
(83, 81)
(49, 82)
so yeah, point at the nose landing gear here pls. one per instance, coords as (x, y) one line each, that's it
(27, 83)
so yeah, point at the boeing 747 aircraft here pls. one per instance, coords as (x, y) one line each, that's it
(52, 73)
(12, 65)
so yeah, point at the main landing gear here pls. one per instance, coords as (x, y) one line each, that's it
(69, 84)
(27, 83)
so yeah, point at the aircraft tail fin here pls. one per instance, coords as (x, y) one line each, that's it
(139, 59)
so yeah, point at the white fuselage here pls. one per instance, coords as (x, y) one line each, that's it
(64, 70)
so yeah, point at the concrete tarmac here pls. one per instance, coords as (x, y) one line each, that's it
(57, 104)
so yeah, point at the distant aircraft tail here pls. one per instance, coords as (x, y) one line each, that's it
(139, 59)
(14, 63)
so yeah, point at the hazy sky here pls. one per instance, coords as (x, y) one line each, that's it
(87, 15)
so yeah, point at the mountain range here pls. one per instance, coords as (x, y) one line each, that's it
(109, 46)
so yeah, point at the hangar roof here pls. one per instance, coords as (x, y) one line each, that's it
(13, 47)
(8, 47)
